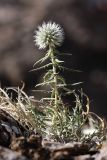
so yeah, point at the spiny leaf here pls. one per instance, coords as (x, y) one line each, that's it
(68, 91)
(42, 59)
(68, 69)
(58, 61)
(44, 83)
(63, 85)
(42, 91)
(48, 76)
(61, 79)
(63, 54)
(47, 99)
(77, 83)
(43, 67)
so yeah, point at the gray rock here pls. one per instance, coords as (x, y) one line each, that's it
(9, 128)
(7, 154)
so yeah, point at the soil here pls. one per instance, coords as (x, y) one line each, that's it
(18, 143)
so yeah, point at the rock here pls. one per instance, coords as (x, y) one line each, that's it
(85, 28)
(7, 154)
(30, 147)
(9, 128)
(102, 155)
(32, 142)
(34, 148)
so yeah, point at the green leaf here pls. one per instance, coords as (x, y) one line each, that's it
(44, 83)
(68, 91)
(42, 59)
(42, 91)
(58, 61)
(42, 67)
(68, 69)
(61, 79)
(48, 99)
(77, 83)
(48, 76)
(64, 85)
(64, 54)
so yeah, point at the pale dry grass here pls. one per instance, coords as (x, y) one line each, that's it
(20, 109)
(65, 127)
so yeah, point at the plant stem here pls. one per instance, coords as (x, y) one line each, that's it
(55, 90)
(55, 77)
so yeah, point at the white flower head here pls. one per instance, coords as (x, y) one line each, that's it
(49, 34)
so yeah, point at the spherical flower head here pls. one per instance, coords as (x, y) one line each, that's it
(49, 35)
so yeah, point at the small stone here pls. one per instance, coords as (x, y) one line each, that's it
(7, 154)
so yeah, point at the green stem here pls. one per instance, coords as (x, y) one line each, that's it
(55, 89)
(55, 77)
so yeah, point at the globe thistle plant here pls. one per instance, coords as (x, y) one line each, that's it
(50, 34)
(58, 122)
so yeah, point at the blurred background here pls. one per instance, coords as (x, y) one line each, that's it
(85, 26)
